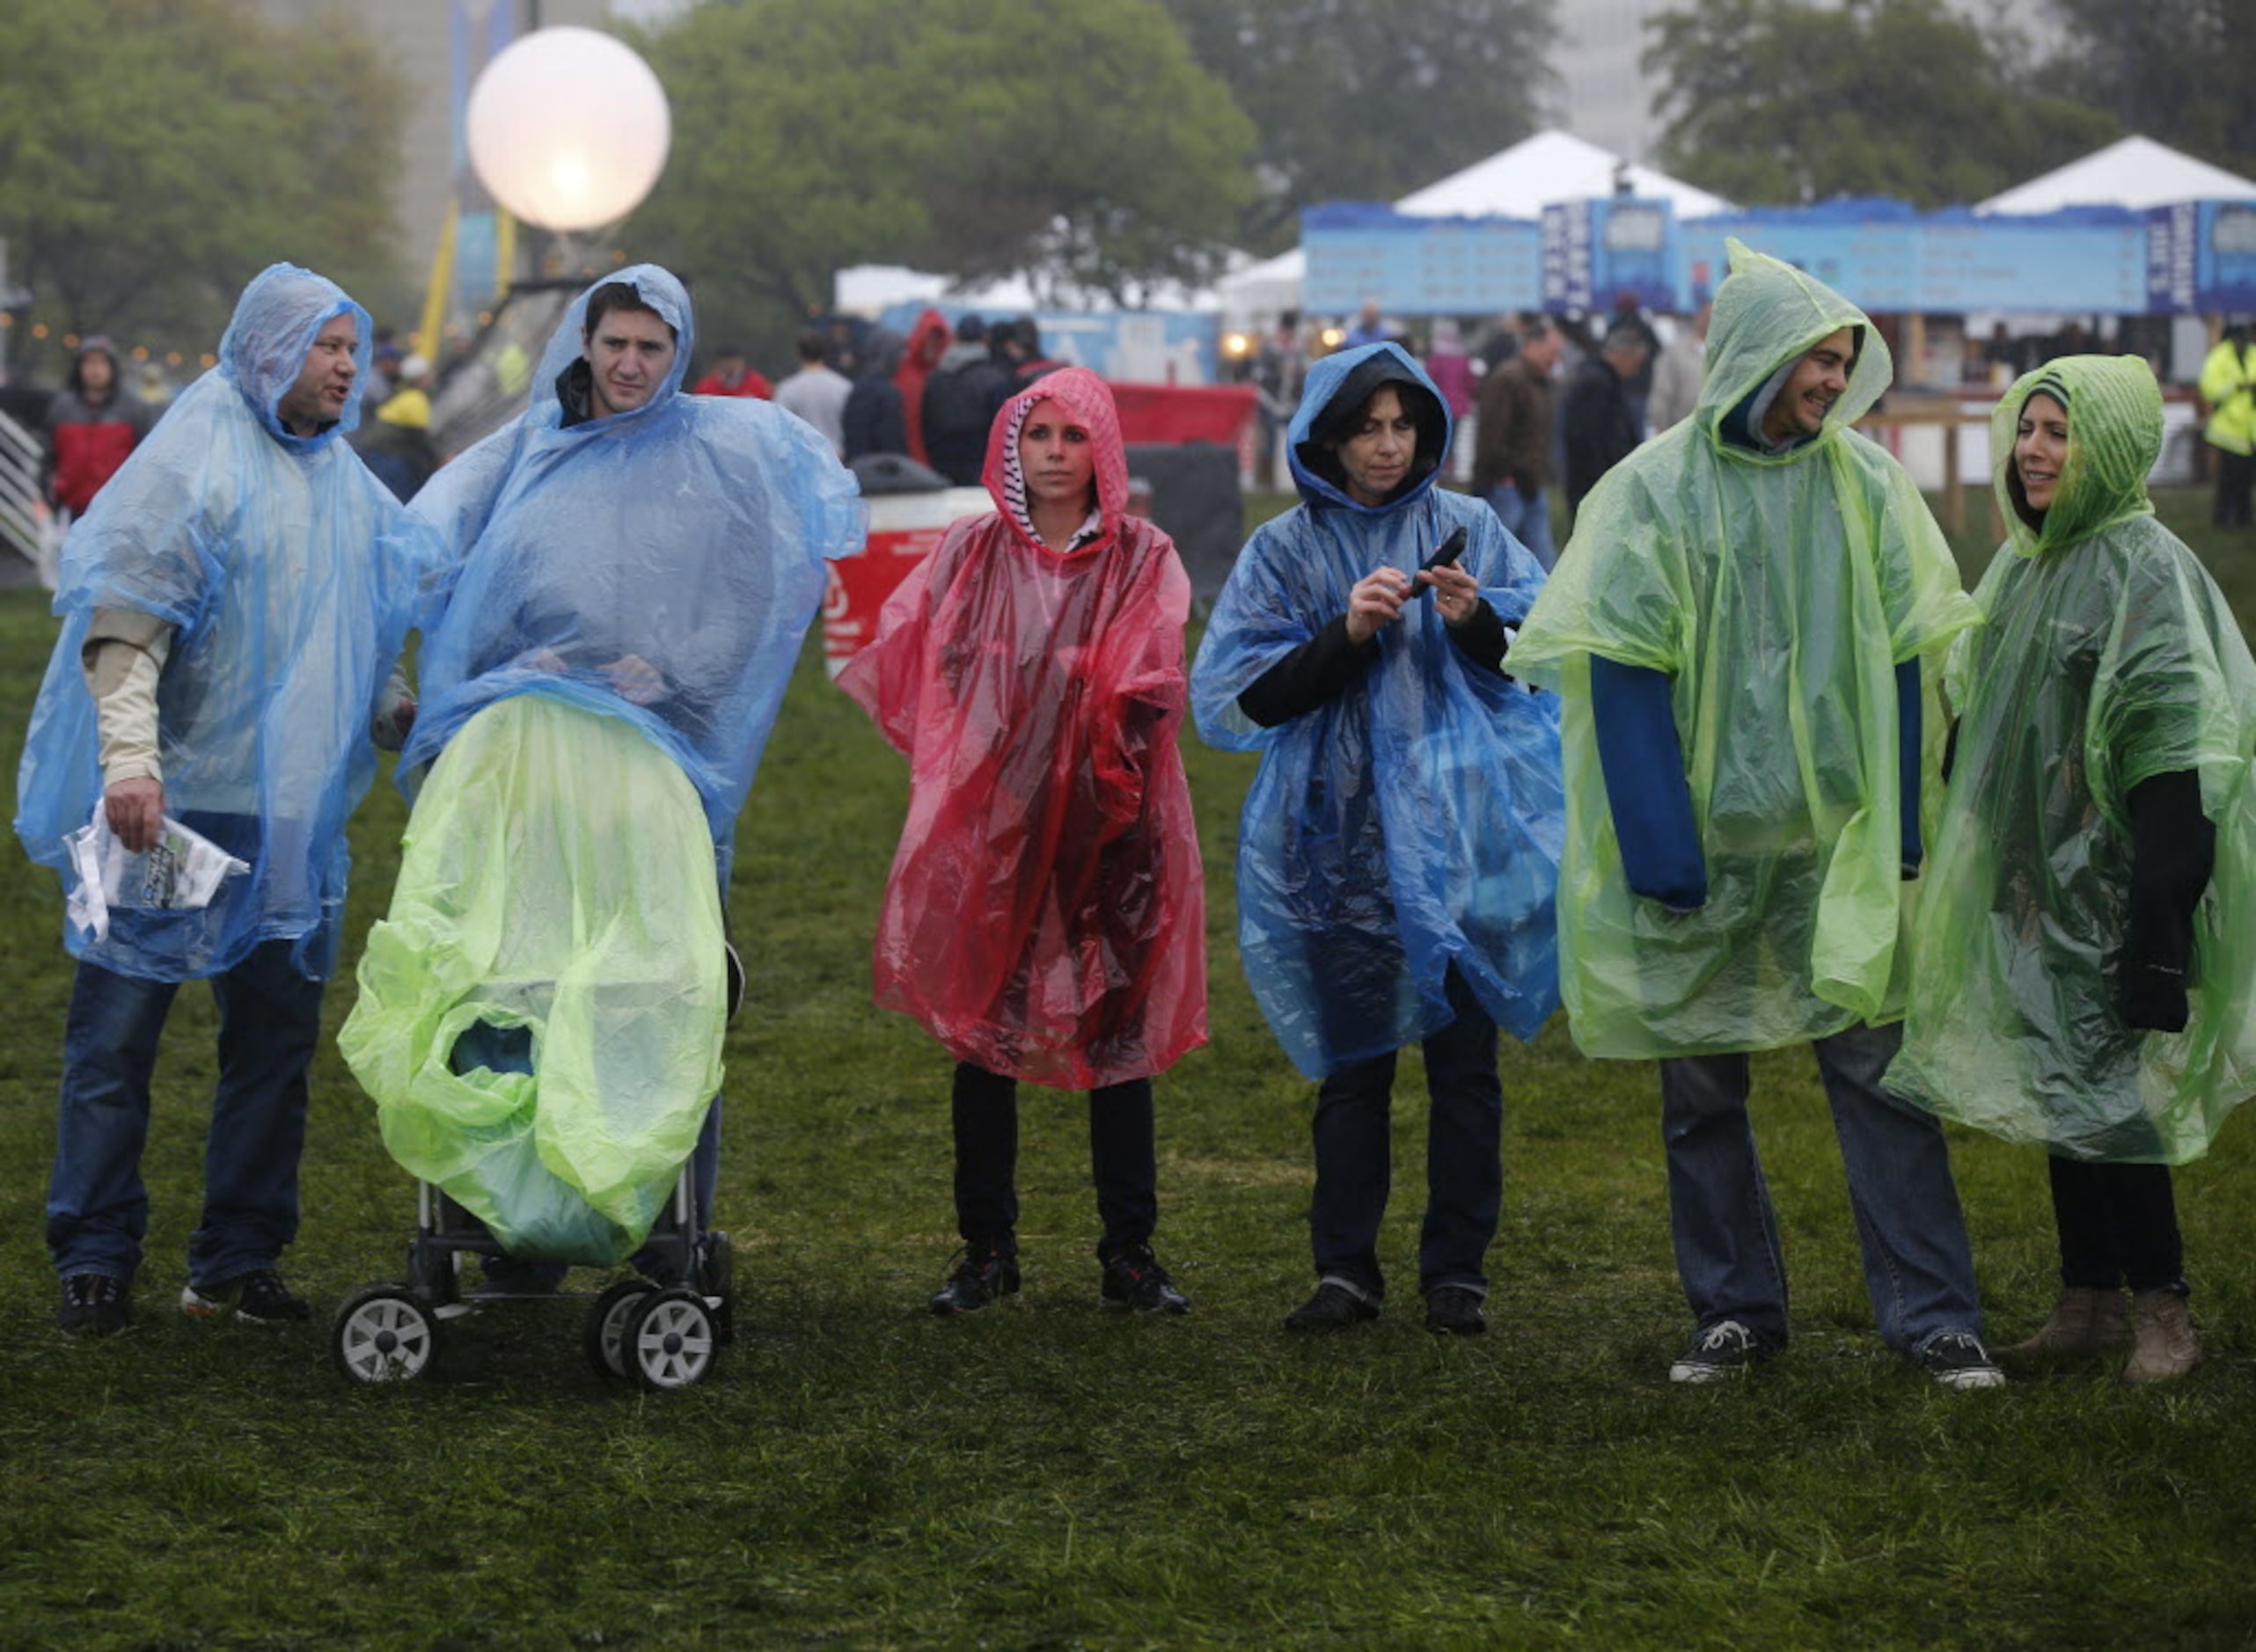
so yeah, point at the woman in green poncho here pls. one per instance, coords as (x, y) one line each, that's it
(2082, 968)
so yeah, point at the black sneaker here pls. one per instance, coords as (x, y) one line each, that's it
(258, 1298)
(1718, 1352)
(1455, 1311)
(982, 1278)
(1134, 1281)
(1957, 1359)
(1333, 1308)
(93, 1304)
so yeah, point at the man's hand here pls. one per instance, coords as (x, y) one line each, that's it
(394, 720)
(1374, 604)
(635, 680)
(136, 811)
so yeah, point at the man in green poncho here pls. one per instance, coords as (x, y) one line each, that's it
(1738, 628)
(2084, 966)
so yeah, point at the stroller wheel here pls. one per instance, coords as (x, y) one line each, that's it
(672, 1341)
(384, 1335)
(716, 1280)
(607, 1322)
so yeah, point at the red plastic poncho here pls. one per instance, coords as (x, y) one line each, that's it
(927, 343)
(1046, 917)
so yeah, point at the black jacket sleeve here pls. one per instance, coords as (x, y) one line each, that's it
(2173, 851)
(1481, 639)
(1319, 670)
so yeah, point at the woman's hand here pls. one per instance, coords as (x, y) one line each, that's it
(1375, 603)
(1456, 593)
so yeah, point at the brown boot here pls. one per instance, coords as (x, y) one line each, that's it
(2166, 1347)
(2085, 1324)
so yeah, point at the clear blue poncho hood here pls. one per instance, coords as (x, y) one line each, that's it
(290, 577)
(1414, 820)
(686, 535)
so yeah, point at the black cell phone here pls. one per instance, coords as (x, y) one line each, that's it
(1448, 552)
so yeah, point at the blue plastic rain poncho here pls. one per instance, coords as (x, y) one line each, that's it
(2108, 658)
(1777, 592)
(291, 578)
(540, 1014)
(687, 535)
(1414, 821)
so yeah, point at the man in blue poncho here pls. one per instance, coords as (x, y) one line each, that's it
(1744, 628)
(541, 1013)
(1400, 844)
(232, 605)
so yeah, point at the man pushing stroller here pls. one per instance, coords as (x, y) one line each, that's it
(540, 1016)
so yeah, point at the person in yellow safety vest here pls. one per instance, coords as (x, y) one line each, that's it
(2229, 388)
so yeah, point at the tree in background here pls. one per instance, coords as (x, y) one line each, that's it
(971, 137)
(1782, 102)
(2182, 72)
(1354, 100)
(156, 154)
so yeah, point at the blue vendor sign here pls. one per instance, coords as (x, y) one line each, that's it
(1418, 267)
(1596, 251)
(2196, 258)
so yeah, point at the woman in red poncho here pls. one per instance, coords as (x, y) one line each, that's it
(1045, 914)
(928, 341)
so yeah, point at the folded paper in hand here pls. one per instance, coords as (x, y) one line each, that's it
(179, 873)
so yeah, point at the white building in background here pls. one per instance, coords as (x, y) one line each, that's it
(1604, 96)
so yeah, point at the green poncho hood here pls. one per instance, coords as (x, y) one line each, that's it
(1768, 314)
(2107, 657)
(1779, 592)
(2114, 436)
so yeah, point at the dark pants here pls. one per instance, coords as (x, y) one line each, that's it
(1122, 1161)
(1464, 1158)
(2118, 1226)
(2236, 483)
(98, 1208)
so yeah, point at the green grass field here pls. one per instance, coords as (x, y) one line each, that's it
(859, 1473)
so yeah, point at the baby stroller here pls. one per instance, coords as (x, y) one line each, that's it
(660, 1336)
(539, 1022)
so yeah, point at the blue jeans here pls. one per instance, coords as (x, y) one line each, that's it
(97, 1207)
(1526, 520)
(1918, 1266)
(1464, 1159)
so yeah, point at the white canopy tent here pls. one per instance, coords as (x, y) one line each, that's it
(2133, 171)
(1546, 169)
(2139, 173)
(1518, 182)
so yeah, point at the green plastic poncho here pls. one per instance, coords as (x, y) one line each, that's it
(626, 1001)
(2109, 657)
(1778, 591)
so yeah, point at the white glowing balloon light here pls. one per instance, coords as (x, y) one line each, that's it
(568, 128)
